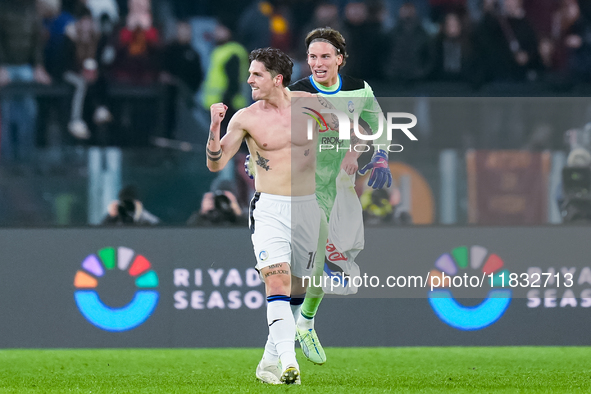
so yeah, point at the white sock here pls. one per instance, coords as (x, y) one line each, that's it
(282, 329)
(270, 355)
(305, 323)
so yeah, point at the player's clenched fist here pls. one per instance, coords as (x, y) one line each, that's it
(218, 111)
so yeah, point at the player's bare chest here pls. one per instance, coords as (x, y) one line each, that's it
(272, 133)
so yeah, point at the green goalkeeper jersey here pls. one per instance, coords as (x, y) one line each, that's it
(348, 95)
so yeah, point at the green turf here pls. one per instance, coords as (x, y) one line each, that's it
(348, 370)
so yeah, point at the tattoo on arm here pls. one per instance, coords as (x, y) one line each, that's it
(333, 122)
(214, 156)
(211, 155)
(276, 272)
(324, 102)
(276, 269)
(306, 152)
(261, 161)
(354, 139)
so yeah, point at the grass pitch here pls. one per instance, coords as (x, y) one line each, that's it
(348, 370)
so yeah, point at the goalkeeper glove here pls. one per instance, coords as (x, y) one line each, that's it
(380, 171)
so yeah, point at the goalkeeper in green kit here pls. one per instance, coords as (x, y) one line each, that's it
(326, 54)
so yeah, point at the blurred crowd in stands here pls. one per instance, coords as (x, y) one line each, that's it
(196, 53)
(93, 45)
(404, 41)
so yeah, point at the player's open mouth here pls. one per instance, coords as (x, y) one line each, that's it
(320, 73)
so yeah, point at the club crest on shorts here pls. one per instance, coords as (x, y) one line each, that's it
(263, 255)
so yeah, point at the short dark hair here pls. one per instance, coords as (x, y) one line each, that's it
(332, 36)
(275, 61)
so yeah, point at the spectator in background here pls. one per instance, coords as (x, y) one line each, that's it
(547, 50)
(365, 40)
(21, 60)
(266, 24)
(454, 54)
(181, 60)
(539, 14)
(220, 10)
(508, 47)
(181, 64)
(106, 46)
(124, 7)
(422, 9)
(382, 206)
(326, 14)
(441, 8)
(227, 75)
(82, 50)
(218, 208)
(105, 56)
(128, 210)
(572, 194)
(98, 8)
(253, 25)
(55, 21)
(562, 20)
(572, 38)
(136, 63)
(137, 46)
(74, 7)
(280, 27)
(377, 208)
(411, 51)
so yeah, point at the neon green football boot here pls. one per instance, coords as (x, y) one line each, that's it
(310, 345)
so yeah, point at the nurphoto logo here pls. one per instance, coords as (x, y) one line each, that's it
(344, 129)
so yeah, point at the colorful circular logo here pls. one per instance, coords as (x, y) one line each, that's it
(98, 265)
(469, 318)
